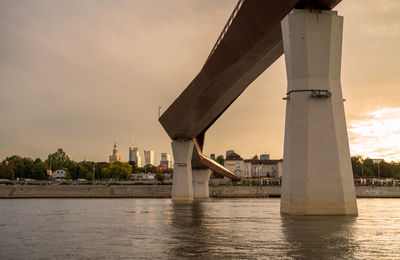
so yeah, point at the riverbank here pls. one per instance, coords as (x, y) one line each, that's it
(164, 191)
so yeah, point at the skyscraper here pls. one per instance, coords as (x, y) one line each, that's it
(166, 160)
(115, 156)
(134, 155)
(148, 157)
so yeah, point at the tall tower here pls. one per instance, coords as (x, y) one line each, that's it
(148, 157)
(134, 155)
(166, 159)
(115, 156)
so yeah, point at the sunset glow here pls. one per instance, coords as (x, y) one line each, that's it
(377, 136)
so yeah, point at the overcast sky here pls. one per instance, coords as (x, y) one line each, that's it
(78, 74)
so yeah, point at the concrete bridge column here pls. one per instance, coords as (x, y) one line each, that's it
(201, 179)
(182, 184)
(317, 173)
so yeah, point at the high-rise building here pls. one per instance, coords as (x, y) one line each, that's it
(227, 153)
(115, 156)
(166, 160)
(264, 156)
(148, 157)
(134, 155)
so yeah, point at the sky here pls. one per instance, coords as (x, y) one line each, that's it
(79, 74)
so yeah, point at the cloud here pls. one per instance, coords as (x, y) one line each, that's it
(378, 136)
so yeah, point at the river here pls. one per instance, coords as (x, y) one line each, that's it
(216, 229)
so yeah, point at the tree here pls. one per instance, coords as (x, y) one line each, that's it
(135, 169)
(22, 166)
(160, 177)
(117, 170)
(39, 170)
(149, 168)
(89, 176)
(58, 159)
(255, 157)
(219, 159)
(6, 170)
(99, 172)
(386, 170)
(76, 171)
(357, 165)
(28, 166)
(169, 171)
(88, 165)
(18, 165)
(369, 168)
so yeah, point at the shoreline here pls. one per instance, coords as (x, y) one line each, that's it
(162, 191)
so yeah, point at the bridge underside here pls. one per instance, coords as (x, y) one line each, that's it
(248, 45)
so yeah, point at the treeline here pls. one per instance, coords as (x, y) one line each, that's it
(367, 168)
(15, 166)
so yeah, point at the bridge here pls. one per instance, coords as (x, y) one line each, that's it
(317, 176)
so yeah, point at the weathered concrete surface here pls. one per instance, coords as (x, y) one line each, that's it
(182, 182)
(85, 191)
(201, 179)
(164, 191)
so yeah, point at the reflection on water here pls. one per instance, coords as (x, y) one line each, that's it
(320, 237)
(190, 235)
(221, 228)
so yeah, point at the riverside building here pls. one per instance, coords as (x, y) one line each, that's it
(254, 168)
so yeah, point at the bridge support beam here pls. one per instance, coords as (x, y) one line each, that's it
(317, 173)
(201, 179)
(182, 183)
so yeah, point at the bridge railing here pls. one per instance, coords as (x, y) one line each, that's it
(225, 29)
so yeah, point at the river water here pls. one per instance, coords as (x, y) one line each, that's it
(216, 229)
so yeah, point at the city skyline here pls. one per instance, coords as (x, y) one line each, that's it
(67, 68)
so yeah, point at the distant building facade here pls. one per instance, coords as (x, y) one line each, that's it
(134, 155)
(227, 153)
(264, 156)
(166, 160)
(148, 157)
(235, 164)
(254, 168)
(59, 174)
(264, 168)
(115, 157)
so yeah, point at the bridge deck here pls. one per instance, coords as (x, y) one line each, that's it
(248, 46)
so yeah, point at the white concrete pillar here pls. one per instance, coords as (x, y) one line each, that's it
(317, 173)
(201, 179)
(182, 184)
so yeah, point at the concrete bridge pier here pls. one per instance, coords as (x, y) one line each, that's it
(188, 183)
(182, 183)
(317, 173)
(201, 178)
